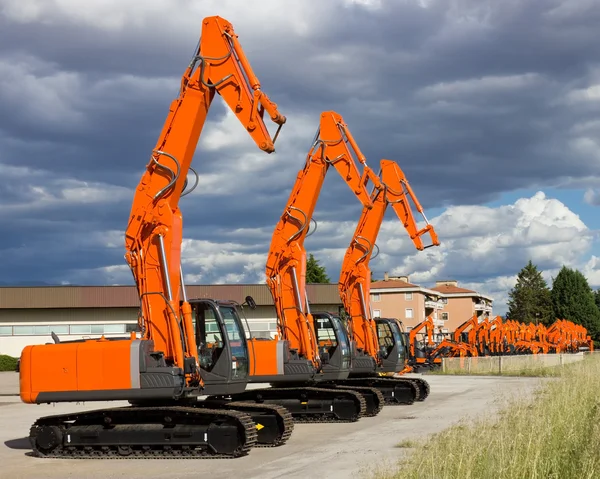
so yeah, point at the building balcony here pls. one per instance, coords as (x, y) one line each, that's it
(433, 304)
(483, 307)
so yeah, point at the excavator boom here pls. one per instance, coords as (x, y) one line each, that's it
(286, 261)
(154, 233)
(355, 276)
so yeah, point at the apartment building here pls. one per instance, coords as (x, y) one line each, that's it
(396, 297)
(448, 304)
(460, 304)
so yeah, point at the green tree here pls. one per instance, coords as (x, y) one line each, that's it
(530, 300)
(573, 299)
(597, 298)
(315, 273)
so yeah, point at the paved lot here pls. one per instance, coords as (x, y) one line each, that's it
(339, 450)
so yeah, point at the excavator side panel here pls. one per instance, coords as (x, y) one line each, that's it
(115, 369)
(266, 357)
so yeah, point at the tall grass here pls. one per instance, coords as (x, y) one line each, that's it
(536, 371)
(555, 435)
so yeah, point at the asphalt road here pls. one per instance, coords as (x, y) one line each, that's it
(329, 451)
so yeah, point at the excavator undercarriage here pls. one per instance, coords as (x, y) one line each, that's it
(134, 431)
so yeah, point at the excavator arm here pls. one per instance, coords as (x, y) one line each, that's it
(286, 262)
(472, 322)
(355, 277)
(429, 327)
(154, 233)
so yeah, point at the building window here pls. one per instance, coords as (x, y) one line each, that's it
(408, 296)
(445, 316)
(65, 329)
(408, 313)
(23, 330)
(6, 331)
(81, 328)
(376, 297)
(377, 313)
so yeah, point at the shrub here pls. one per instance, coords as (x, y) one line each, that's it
(8, 363)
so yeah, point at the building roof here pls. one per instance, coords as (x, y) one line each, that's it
(38, 297)
(399, 285)
(450, 290)
(392, 283)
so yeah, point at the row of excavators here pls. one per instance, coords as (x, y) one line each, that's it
(186, 374)
(493, 337)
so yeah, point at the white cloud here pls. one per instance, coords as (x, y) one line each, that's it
(41, 191)
(242, 167)
(38, 93)
(591, 93)
(479, 241)
(479, 86)
(488, 242)
(592, 197)
(219, 263)
(116, 16)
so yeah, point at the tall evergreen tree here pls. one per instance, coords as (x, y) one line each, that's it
(530, 299)
(597, 298)
(315, 273)
(573, 299)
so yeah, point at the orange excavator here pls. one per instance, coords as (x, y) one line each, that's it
(162, 374)
(460, 345)
(421, 344)
(378, 344)
(308, 360)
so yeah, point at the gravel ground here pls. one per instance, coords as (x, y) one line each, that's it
(338, 450)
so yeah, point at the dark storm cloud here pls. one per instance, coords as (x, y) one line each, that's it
(471, 98)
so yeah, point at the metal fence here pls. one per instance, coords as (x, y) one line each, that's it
(504, 364)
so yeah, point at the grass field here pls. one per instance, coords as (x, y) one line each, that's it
(555, 435)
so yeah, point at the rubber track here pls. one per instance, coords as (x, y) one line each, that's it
(391, 402)
(288, 420)
(374, 391)
(166, 452)
(423, 386)
(321, 417)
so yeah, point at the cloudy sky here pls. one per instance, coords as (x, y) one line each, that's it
(490, 108)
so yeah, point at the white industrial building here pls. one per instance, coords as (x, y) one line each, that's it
(29, 314)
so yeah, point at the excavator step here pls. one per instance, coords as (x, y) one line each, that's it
(174, 432)
(274, 424)
(310, 404)
(395, 391)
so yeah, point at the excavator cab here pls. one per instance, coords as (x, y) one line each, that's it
(222, 345)
(392, 346)
(334, 345)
